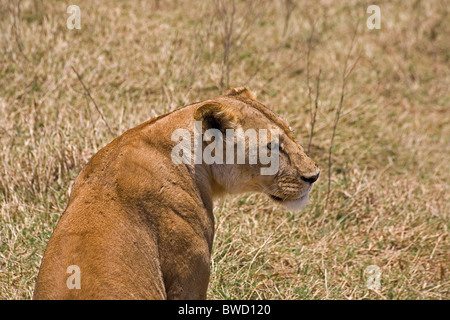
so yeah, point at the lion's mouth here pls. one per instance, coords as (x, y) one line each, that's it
(278, 199)
(296, 204)
(288, 198)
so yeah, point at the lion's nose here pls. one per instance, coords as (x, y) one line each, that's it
(311, 179)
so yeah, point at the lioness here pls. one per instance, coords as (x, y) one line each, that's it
(139, 226)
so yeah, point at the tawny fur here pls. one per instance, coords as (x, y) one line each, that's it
(140, 226)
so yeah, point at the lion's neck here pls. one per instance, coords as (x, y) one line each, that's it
(202, 179)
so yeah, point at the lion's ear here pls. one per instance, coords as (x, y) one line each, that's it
(215, 116)
(241, 92)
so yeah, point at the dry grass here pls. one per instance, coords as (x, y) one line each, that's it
(388, 203)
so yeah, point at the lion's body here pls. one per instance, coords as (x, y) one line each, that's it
(137, 225)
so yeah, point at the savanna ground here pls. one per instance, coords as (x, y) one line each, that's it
(377, 102)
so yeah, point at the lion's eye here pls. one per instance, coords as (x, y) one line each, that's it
(272, 145)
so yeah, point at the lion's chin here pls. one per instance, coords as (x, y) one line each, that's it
(297, 204)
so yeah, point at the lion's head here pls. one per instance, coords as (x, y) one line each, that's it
(281, 168)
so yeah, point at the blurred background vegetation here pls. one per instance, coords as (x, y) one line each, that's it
(371, 106)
